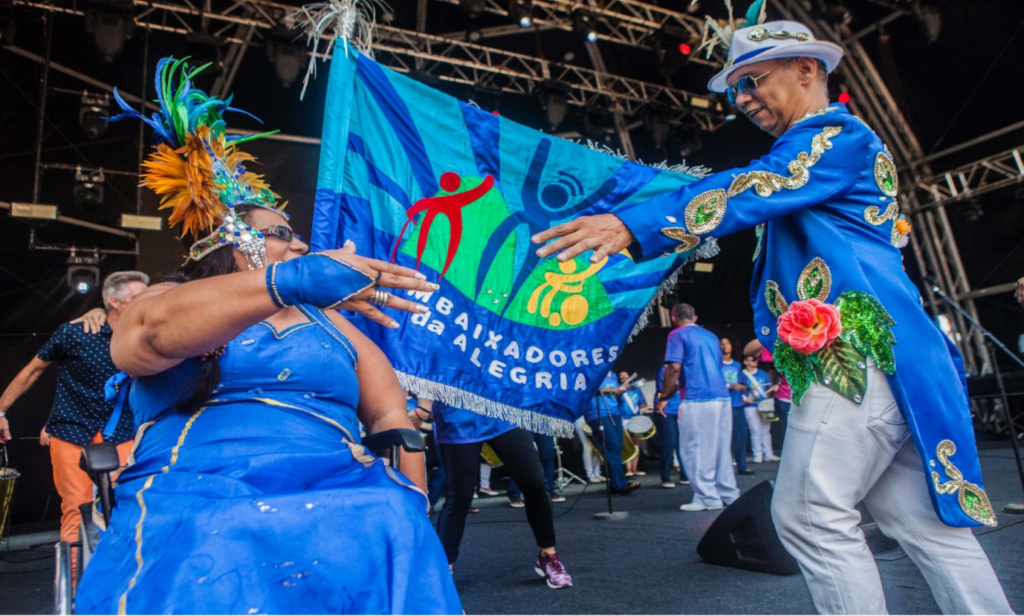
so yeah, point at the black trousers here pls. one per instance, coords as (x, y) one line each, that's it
(462, 467)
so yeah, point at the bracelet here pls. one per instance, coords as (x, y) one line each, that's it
(315, 279)
(429, 416)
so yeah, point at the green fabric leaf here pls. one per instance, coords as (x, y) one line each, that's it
(839, 368)
(798, 368)
(866, 327)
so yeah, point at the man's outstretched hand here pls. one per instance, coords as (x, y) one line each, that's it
(604, 233)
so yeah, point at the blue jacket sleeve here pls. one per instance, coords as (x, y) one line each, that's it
(808, 165)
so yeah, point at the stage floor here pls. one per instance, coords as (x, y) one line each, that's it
(646, 564)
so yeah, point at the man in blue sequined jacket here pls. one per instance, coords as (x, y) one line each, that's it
(881, 413)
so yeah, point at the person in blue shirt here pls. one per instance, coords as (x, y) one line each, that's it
(629, 407)
(602, 416)
(887, 424)
(666, 421)
(759, 387)
(705, 415)
(731, 371)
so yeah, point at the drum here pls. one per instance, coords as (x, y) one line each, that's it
(641, 427)
(7, 478)
(491, 458)
(629, 448)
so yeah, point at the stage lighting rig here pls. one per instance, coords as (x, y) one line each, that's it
(207, 48)
(111, 23)
(673, 47)
(83, 273)
(474, 35)
(286, 58)
(554, 100)
(93, 114)
(969, 211)
(473, 8)
(656, 120)
(521, 11)
(8, 28)
(88, 190)
(584, 23)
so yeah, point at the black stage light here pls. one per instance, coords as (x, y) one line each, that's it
(110, 23)
(554, 99)
(656, 120)
(474, 35)
(83, 278)
(929, 19)
(473, 8)
(286, 59)
(673, 47)
(521, 11)
(88, 189)
(969, 211)
(93, 114)
(8, 28)
(584, 23)
(686, 142)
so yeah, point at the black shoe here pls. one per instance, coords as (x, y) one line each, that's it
(632, 486)
(745, 472)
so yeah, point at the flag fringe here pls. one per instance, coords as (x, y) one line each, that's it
(707, 249)
(352, 21)
(699, 171)
(528, 420)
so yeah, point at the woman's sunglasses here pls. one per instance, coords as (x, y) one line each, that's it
(282, 232)
(745, 85)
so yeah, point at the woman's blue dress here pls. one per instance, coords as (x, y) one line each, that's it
(261, 501)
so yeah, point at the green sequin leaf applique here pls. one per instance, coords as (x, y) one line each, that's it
(776, 302)
(866, 327)
(972, 499)
(815, 281)
(842, 369)
(798, 368)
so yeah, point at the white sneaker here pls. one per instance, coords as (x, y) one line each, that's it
(668, 484)
(772, 458)
(597, 479)
(698, 507)
(488, 492)
(758, 460)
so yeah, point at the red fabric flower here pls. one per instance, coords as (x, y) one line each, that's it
(809, 325)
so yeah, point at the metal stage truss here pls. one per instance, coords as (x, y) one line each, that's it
(924, 193)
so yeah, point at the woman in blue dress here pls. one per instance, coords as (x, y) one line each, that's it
(247, 491)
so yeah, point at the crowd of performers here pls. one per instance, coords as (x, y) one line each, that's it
(250, 389)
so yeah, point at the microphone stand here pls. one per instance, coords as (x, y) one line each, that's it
(611, 514)
(993, 343)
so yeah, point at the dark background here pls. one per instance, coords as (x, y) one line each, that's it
(964, 84)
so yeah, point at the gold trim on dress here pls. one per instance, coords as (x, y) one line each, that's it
(679, 234)
(773, 295)
(972, 499)
(123, 601)
(892, 212)
(705, 211)
(885, 174)
(766, 183)
(815, 281)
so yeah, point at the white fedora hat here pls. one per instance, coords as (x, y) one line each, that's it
(772, 40)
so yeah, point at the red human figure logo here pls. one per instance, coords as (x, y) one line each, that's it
(449, 205)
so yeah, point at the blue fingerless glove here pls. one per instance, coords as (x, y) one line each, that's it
(315, 279)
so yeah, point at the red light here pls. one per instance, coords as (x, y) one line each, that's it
(685, 49)
(844, 97)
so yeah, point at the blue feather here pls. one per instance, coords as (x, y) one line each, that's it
(753, 13)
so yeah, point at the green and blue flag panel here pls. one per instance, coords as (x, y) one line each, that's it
(417, 177)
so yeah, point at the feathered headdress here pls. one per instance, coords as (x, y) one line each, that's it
(718, 33)
(197, 169)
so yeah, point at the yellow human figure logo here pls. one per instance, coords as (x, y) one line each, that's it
(574, 308)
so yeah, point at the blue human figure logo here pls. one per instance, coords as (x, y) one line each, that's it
(540, 207)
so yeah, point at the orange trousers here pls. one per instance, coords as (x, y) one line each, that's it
(73, 485)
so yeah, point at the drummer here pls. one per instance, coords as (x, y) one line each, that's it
(629, 407)
(603, 414)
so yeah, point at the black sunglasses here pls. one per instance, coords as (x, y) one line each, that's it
(282, 232)
(745, 85)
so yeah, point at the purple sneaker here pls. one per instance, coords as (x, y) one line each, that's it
(553, 571)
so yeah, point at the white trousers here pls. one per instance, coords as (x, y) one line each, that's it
(705, 440)
(760, 433)
(485, 476)
(591, 464)
(838, 454)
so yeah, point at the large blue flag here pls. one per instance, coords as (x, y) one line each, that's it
(417, 177)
